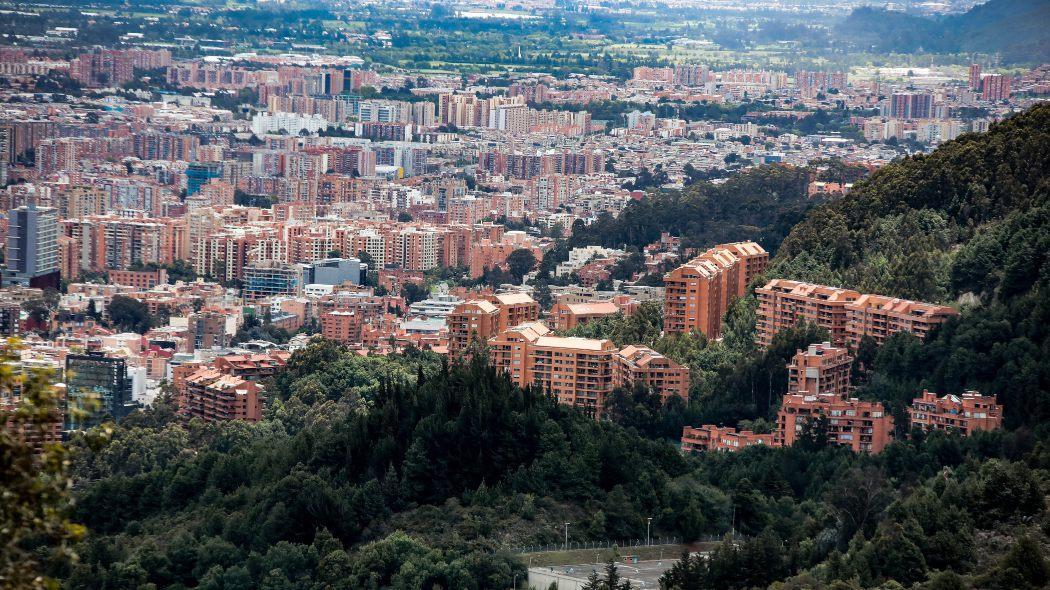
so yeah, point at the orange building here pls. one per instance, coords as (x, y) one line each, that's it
(964, 414)
(140, 279)
(471, 320)
(577, 371)
(641, 364)
(822, 369)
(341, 326)
(782, 304)
(514, 308)
(215, 397)
(567, 316)
(582, 372)
(253, 367)
(698, 293)
(716, 438)
(858, 425)
(848, 316)
(881, 317)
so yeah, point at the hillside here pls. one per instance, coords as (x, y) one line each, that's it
(967, 225)
(1013, 28)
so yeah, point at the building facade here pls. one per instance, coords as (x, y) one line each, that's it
(965, 414)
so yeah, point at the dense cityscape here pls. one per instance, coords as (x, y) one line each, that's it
(536, 294)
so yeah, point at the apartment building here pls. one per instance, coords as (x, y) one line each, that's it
(471, 320)
(717, 438)
(578, 372)
(698, 293)
(253, 367)
(965, 414)
(783, 304)
(861, 426)
(214, 396)
(582, 372)
(821, 369)
(514, 308)
(881, 317)
(481, 319)
(640, 364)
(567, 316)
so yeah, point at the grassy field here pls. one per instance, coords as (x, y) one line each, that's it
(578, 556)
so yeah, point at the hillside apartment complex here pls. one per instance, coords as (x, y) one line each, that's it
(698, 293)
(818, 386)
(582, 372)
(481, 319)
(847, 315)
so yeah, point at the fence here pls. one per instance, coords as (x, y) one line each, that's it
(609, 544)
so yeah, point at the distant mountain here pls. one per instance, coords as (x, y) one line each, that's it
(1014, 28)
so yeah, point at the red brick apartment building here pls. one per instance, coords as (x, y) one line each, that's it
(698, 293)
(216, 397)
(567, 316)
(581, 372)
(253, 367)
(481, 319)
(140, 279)
(716, 438)
(881, 317)
(863, 427)
(342, 326)
(782, 304)
(471, 320)
(640, 364)
(846, 314)
(821, 369)
(965, 414)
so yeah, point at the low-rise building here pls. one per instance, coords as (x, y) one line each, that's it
(567, 316)
(717, 438)
(965, 414)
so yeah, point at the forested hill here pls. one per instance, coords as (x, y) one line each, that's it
(760, 204)
(967, 225)
(1013, 28)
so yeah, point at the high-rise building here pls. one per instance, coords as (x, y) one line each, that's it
(995, 87)
(783, 304)
(911, 105)
(98, 385)
(821, 369)
(199, 174)
(698, 293)
(582, 372)
(469, 321)
(32, 246)
(214, 396)
(975, 77)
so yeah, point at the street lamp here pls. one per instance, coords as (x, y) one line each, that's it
(648, 523)
(566, 536)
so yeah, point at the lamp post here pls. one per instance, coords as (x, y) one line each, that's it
(566, 536)
(515, 586)
(648, 523)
